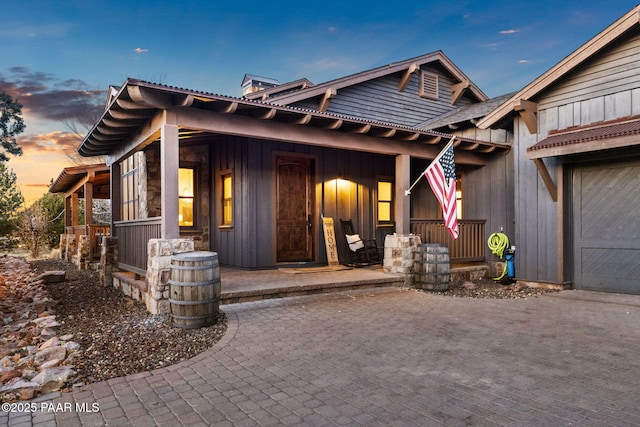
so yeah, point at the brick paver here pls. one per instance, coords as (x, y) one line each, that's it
(389, 357)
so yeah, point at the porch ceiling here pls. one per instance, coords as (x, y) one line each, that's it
(131, 111)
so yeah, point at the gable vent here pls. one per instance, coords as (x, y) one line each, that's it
(428, 85)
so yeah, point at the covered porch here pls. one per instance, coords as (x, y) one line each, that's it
(81, 185)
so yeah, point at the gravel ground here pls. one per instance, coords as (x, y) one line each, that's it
(488, 288)
(117, 335)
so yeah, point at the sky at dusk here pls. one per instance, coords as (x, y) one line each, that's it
(59, 58)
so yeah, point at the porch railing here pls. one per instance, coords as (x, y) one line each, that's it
(95, 231)
(132, 242)
(468, 247)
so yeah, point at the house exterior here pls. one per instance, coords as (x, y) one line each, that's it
(576, 165)
(251, 178)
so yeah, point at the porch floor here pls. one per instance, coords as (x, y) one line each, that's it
(239, 285)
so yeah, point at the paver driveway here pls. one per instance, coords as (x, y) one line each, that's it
(389, 357)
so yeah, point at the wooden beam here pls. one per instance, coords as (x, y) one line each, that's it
(336, 124)
(387, 133)
(183, 100)
(406, 77)
(362, 129)
(528, 111)
(457, 90)
(143, 136)
(229, 108)
(329, 94)
(546, 178)
(149, 97)
(411, 137)
(237, 125)
(128, 114)
(129, 105)
(269, 114)
(302, 120)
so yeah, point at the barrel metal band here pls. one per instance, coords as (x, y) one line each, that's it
(192, 267)
(204, 316)
(206, 282)
(206, 301)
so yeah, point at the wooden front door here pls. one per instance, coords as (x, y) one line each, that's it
(294, 209)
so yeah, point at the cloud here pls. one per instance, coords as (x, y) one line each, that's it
(512, 31)
(524, 61)
(44, 96)
(53, 142)
(492, 46)
(140, 50)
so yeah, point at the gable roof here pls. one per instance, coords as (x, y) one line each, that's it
(464, 114)
(130, 114)
(353, 79)
(562, 68)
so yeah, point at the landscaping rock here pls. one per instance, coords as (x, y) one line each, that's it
(33, 359)
(52, 276)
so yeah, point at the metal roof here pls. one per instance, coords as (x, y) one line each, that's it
(137, 102)
(594, 137)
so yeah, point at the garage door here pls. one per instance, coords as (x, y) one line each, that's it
(606, 213)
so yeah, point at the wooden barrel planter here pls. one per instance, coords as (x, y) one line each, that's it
(431, 267)
(194, 289)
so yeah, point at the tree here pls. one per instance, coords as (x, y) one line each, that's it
(10, 200)
(34, 226)
(11, 124)
(53, 205)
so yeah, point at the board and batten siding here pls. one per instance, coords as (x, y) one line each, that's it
(250, 243)
(487, 194)
(380, 100)
(604, 88)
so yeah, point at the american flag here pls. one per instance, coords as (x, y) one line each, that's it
(441, 174)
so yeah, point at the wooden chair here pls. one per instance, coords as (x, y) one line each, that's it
(361, 252)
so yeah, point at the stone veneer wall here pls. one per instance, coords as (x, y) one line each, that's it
(398, 254)
(159, 252)
(196, 156)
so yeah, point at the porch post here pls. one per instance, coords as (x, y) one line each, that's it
(115, 177)
(75, 209)
(402, 202)
(88, 203)
(67, 212)
(169, 163)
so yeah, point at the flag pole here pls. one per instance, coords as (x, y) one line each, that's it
(446, 147)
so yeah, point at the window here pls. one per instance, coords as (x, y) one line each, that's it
(428, 85)
(129, 188)
(227, 199)
(186, 191)
(459, 198)
(385, 201)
